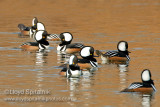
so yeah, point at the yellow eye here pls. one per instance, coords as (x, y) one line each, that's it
(43, 36)
(62, 39)
(73, 62)
(90, 54)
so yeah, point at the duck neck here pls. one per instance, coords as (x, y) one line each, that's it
(43, 44)
(148, 83)
(91, 58)
(65, 43)
(74, 67)
(125, 52)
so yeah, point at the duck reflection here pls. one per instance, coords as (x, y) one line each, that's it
(146, 100)
(80, 87)
(62, 57)
(123, 69)
(41, 59)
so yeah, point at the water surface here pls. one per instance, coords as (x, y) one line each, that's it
(98, 23)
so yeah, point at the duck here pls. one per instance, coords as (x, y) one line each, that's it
(88, 61)
(146, 86)
(73, 71)
(25, 31)
(122, 53)
(41, 26)
(41, 42)
(66, 45)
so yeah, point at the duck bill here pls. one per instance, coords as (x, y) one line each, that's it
(154, 88)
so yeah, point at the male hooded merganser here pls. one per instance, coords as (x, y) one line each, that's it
(66, 46)
(39, 27)
(73, 70)
(147, 84)
(88, 61)
(41, 42)
(51, 37)
(121, 55)
(26, 31)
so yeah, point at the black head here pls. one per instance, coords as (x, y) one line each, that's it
(41, 36)
(122, 46)
(66, 38)
(146, 75)
(34, 21)
(146, 79)
(73, 60)
(87, 52)
(40, 26)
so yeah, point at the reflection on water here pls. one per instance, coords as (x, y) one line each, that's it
(62, 57)
(146, 100)
(82, 85)
(123, 67)
(39, 64)
(100, 23)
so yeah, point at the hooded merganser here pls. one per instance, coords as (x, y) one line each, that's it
(66, 46)
(73, 70)
(41, 42)
(121, 55)
(25, 31)
(88, 61)
(147, 84)
(51, 37)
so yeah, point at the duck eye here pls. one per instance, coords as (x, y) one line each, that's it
(73, 62)
(90, 54)
(43, 36)
(62, 39)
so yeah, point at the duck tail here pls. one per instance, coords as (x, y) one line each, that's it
(21, 26)
(99, 53)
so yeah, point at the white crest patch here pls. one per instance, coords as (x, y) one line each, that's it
(146, 75)
(38, 35)
(40, 26)
(71, 60)
(33, 21)
(67, 37)
(85, 52)
(122, 46)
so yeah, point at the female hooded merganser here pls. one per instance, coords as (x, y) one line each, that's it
(26, 31)
(121, 55)
(147, 84)
(73, 70)
(41, 42)
(88, 61)
(66, 46)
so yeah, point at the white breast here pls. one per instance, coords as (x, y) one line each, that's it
(46, 46)
(75, 73)
(59, 48)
